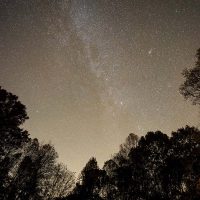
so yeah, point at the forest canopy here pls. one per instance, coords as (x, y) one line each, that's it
(28, 169)
(154, 166)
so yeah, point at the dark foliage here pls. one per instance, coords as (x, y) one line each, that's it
(12, 115)
(190, 89)
(154, 166)
(157, 167)
(28, 170)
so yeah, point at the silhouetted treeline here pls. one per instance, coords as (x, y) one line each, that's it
(28, 170)
(153, 167)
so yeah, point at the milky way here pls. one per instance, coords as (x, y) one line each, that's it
(92, 71)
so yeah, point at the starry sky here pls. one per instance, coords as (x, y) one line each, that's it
(92, 71)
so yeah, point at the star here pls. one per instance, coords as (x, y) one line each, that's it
(150, 51)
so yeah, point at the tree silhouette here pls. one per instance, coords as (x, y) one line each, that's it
(28, 170)
(183, 163)
(60, 183)
(122, 156)
(154, 166)
(12, 115)
(90, 182)
(38, 176)
(157, 167)
(190, 89)
(118, 172)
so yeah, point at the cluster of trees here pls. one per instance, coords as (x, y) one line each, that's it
(154, 166)
(28, 169)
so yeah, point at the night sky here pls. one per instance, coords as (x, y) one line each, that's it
(92, 71)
